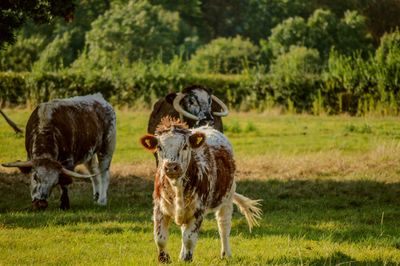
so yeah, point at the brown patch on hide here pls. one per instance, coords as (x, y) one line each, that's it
(157, 187)
(225, 175)
(69, 131)
(168, 122)
(194, 183)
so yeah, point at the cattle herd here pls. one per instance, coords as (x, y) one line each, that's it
(195, 164)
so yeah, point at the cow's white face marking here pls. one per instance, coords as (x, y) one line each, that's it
(198, 103)
(174, 148)
(43, 179)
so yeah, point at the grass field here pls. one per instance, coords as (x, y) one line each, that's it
(330, 188)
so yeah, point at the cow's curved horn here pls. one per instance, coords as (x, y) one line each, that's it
(75, 174)
(179, 108)
(224, 111)
(18, 164)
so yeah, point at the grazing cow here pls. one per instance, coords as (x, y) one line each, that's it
(195, 176)
(195, 105)
(61, 134)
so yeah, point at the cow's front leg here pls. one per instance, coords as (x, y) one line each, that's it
(161, 224)
(190, 233)
(93, 167)
(104, 165)
(64, 198)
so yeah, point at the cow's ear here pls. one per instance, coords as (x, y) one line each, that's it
(149, 142)
(64, 180)
(170, 97)
(197, 139)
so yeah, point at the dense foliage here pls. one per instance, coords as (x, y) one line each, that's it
(13, 14)
(314, 56)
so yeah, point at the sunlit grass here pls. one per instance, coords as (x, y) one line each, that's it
(330, 188)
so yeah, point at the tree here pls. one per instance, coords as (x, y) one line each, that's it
(22, 55)
(13, 14)
(322, 31)
(352, 34)
(292, 31)
(133, 31)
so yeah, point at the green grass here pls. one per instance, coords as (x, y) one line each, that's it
(330, 188)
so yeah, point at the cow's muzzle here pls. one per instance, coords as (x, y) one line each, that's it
(38, 205)
(172, 170)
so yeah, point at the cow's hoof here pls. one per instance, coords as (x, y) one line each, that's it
(39, 205)
(226, 255)
(163, 257)
(101, 202)
(64, 207)
(188, 257)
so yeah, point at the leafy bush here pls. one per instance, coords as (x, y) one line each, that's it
(119, 86)
(388, 61)
(13, 88)
(225, 55)
(347, 80)
(133, 31)
(294, 76)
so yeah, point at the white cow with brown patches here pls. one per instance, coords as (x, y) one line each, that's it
(195, 176)
(63, 133)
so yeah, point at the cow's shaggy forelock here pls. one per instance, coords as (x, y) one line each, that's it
(168, 123)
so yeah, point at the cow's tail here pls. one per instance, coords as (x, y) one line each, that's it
(11, 123)
(249, 208)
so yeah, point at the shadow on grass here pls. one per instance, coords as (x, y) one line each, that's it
(336, 258)
(310, 209)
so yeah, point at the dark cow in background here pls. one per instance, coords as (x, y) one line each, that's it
(195, 176)
(61, 134)
(195, 105)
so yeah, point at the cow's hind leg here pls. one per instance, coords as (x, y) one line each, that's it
(161, 224)
(105, 157)
(93, 167)
(190, 233)
(224, 218)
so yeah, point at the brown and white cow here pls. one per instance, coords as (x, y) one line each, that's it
(195, 176)
(63, 133)
(196, 105)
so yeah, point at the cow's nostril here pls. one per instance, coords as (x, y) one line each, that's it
(175, 168)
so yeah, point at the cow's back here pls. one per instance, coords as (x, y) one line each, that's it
(75, 126)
